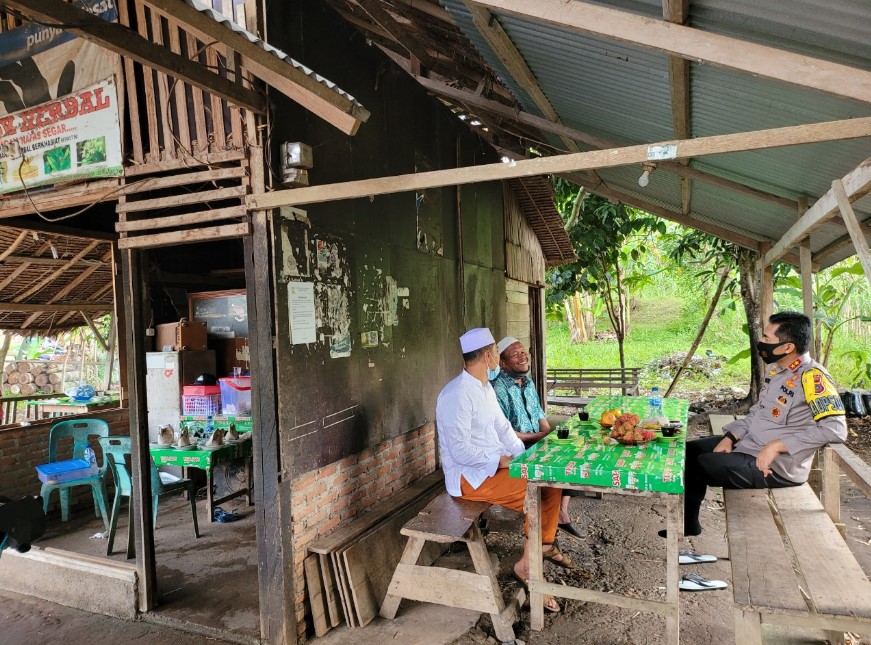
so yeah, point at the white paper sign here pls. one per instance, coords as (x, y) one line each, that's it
(301, 306)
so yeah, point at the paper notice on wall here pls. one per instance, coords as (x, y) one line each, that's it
(301, 305)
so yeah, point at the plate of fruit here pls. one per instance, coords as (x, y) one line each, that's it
(626, 430)
(609, 417)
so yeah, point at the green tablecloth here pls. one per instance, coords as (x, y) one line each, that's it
(589, 460)
(200, 458)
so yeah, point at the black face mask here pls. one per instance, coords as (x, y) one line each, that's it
(766, 351)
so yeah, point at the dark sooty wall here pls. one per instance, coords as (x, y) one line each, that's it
(392, 291)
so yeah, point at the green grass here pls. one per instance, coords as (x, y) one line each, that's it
(662, 325)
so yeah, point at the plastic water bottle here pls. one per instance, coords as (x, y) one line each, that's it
(654, 405)
(91, 457)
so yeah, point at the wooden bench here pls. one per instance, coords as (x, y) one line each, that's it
(790, 563)
(582, 384)
(446, 520)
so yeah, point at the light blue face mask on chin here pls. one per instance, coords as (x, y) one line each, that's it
(492, 374)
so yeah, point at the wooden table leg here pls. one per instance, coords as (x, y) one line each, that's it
(131, 541)
(674, 524)
(210, 495)
(536, 567)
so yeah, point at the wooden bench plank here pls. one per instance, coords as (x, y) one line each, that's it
(445, 519)
(836, 583)
(857, 470)
(316, 599)
(762, 576)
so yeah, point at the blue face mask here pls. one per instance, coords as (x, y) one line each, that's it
(493, 373)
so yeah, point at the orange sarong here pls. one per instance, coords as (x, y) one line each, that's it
(510, 492)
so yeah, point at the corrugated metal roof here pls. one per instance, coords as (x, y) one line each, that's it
(621, 93)
(229, 24)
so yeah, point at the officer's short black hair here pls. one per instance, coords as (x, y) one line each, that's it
(793, 327)
(475, 354)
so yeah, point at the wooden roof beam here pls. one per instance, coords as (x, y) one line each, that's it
(719, 144)
(677, 12)
(473, 100)
(55, 274)
(857, 184)
(383, 18)
(693, 44)
(121, 40)
(335, 109)
(74, 307)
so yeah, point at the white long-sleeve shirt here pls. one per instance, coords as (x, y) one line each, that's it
(473, 432)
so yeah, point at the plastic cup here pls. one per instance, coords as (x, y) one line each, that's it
(237, 371)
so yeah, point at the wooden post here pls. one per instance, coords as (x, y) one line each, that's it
(674, 526)
(830, 492)
(110, 353)
(536, 566)
(766, 289)
(141, 457)
(807, 273)
(853, 226)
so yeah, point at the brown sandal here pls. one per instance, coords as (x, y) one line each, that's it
(550, 603)
(558, 557)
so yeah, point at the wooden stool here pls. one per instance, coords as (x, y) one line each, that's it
(448, 519)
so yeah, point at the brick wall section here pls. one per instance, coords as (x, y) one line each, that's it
(22, 448)
(326, 498)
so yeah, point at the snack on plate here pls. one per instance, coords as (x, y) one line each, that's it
(626, 429)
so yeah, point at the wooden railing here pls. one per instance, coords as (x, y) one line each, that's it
(14, 407)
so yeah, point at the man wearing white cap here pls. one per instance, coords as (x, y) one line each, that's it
(477, 444)
(519, 401)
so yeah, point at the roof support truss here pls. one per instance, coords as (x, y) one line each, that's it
(856, 183)
(853, 226)
(761, 139)
(677, 12)
(121, 40)
(473, 101)
(694, 44)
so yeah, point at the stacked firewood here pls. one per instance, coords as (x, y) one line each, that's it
(23, 378)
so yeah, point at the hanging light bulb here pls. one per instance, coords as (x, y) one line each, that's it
(644, 179)
(53, 250)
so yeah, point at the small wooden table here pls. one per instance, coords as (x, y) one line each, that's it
(592, 464)
(206, 459)
(61, 407)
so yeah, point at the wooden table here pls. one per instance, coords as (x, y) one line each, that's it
(206, 460)
(61, 407)
(587, 462)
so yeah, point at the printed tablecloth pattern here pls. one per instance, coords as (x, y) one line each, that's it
(589, 460)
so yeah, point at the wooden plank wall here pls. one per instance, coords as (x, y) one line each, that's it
(170, 120)
(524, 259)
(517, 311)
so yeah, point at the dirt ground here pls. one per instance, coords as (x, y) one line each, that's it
(623, 554)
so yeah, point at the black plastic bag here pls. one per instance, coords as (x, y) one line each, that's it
(853, 404)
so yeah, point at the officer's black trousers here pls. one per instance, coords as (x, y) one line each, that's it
(704, 468)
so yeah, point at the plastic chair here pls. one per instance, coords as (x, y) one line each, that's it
(80, 430)
(117, 451)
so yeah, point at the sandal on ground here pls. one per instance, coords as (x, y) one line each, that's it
(691, 557)
(695, 582)
(571, 530)
(223, 516)
(558, 557)
(550, 603)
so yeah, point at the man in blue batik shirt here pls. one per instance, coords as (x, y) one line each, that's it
(519, 401)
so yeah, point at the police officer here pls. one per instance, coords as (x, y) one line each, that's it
(798, 411)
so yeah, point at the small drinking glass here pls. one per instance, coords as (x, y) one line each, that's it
(237, 371)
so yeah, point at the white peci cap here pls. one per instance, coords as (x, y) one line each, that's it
(505, 343)
(476, 339)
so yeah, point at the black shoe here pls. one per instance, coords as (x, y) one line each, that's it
(664, 533)
(569, 529)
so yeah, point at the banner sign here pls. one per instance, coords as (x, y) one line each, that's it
(53, 94)
(73, 137)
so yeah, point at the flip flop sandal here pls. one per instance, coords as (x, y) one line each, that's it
(223, 516)
(550, 603)
(564, 561)
(695, 582)
(691, 557)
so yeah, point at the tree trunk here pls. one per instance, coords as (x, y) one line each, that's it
(749, 297)
(4, 348)
(701, 333)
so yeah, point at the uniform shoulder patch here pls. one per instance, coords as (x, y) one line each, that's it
(821, 395)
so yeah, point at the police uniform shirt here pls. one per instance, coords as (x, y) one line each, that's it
(800, 406)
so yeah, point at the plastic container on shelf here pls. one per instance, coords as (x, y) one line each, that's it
(201, 390)
(236, 395)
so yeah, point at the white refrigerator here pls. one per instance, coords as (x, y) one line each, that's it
(167, 373)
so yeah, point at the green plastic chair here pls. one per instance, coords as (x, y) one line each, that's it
(80, 430)
(117, 451)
